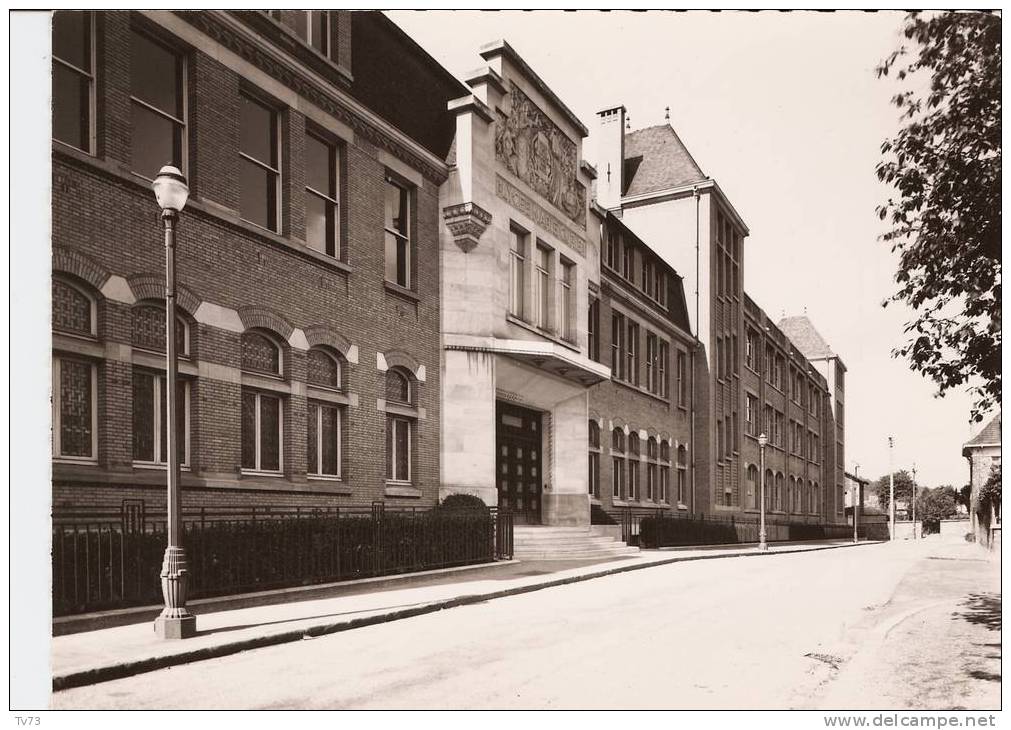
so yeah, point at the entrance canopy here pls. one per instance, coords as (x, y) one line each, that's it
(549, 357)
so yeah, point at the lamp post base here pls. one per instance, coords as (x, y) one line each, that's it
(763, 547)
(176, 627)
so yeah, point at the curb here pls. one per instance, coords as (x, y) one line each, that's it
(141, 666)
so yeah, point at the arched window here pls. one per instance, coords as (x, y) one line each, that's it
(324, 369)
(752, 485)
(75, 379)
(814, 497)
(398, 386)
(262, 410)
(769, 488)
(74, 310)
(260, 353)
(779, 490)
(324, 419)
(399, 427)
(148, 330)
(633, 467)
(593, 476)
(617, 464)
(651, 470)
(682, 466)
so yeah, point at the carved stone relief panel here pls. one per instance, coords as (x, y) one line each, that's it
(535, 150)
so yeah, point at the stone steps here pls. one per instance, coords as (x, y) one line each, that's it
(565, 543)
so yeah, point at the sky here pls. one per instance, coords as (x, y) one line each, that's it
(786, 112)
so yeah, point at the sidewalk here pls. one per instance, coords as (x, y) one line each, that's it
(240, 623)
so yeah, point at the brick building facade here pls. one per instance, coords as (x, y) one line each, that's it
(308, 260)
(639, 430)
(748, 376)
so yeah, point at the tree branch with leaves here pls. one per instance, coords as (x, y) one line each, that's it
(945, 216)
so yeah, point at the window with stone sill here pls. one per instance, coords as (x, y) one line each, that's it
(261, 354)
(518, 242)
(324, 427)
(158, 105)
(259, 164)
(593, 477)
(682, 468)
(398, 387)
(397, 227)
(633, 467)
(313, 26)
(74, 409)
(652, 470)
(74, 310)
(73, 87)
(324, 370)
(617, 463)
(322, 186)
(262, 431)
(148, 329)
(150, 418)
(752, 487)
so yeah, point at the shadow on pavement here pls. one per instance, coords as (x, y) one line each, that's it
(982, 609)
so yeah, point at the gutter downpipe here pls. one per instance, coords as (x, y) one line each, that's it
(695, 349)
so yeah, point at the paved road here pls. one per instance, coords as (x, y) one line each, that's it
(774, 632)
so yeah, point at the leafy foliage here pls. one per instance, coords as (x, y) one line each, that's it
(938, 503)
(903, 489)
(945, 166)
(990, 492)
(965, 496)
(462, 502)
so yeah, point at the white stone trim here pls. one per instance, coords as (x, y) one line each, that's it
(118, 289)
(352, 354)
(381, 365)
(218, 316)
(406, 172)
(297, 340)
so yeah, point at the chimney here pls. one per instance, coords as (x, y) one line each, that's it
(610, 156)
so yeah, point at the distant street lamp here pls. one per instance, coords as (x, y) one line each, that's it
(174, 622)
(914, 500)
(857, 502)
(891, 491)
(762, 441)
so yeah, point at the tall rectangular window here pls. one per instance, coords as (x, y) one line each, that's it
(682, 374)
(73, 78)
(74, 409)
(651, 355)
(261, 431)
(628, 263)
(323, 440)
(158, 106)
(259, 164)
(542, 287)
(751, 414)
(567, 302)
(517, 261)
(647, 277)
(660, 287)
(720, 369)
(313, 26)
(322, 208)
(618, 346)
(612, 250)
(632, 354)
(398, 233)
(398, 449)
(150, 418)
(661, 369)
(593, 330)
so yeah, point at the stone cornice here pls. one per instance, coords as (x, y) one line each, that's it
(466, 223)
(241, 40)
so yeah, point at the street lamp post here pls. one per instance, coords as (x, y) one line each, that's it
(891, 491)
(857, 502)
(914, 500)
(762, 441)
(175, 621)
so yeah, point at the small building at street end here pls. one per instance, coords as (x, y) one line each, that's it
(983, 452)
(308, 257)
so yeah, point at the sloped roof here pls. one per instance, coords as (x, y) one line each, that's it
(656, 159)
(989, 435)
(805, 337)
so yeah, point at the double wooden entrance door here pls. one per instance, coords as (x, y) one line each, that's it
(518, 462)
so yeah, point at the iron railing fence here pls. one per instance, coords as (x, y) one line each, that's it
(656, 528)
(103, 560)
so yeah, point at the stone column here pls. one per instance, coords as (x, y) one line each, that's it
(567, 501)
